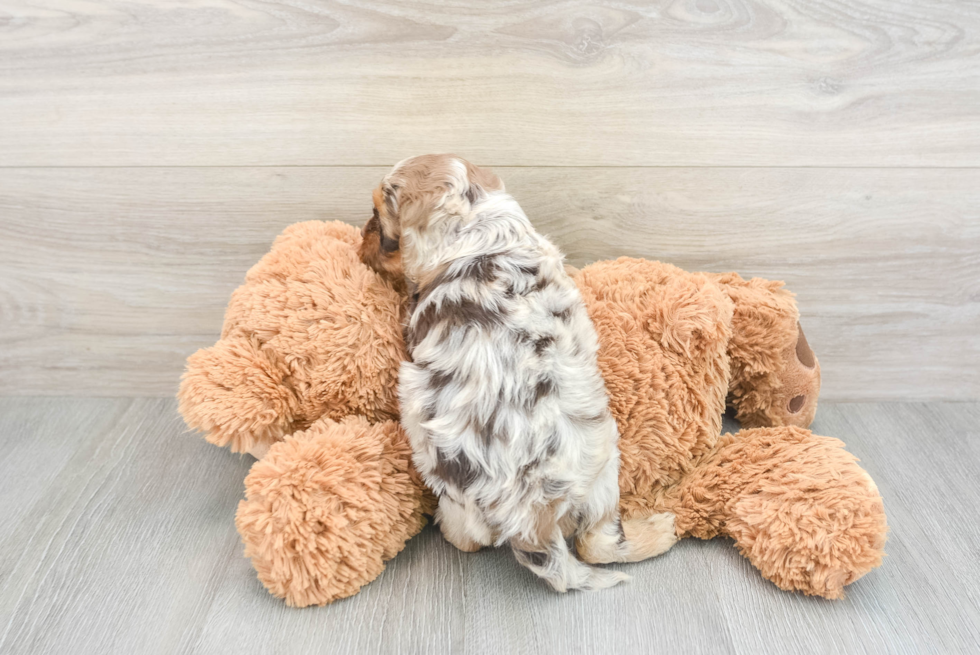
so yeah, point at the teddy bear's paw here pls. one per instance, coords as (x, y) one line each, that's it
(236, 393)
(325, 508)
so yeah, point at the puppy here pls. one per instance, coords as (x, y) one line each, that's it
(503, 403)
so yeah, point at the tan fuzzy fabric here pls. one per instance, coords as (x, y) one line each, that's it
(766, 372)
(662, 351)
(312, 332)
(308, 364)
(673, 345)
(798, 506)
(325, 509)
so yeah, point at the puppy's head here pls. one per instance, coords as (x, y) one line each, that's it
(416, 197)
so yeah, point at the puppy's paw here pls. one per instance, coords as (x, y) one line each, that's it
(649, 536)
(459, 539)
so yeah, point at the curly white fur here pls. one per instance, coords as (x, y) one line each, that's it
(504, 404)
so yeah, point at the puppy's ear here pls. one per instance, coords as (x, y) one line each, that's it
(481, 181)
(389, 195)
(422, 185)
(379, 247)
(391, 236)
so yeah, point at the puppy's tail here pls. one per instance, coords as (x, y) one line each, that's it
(555, 563)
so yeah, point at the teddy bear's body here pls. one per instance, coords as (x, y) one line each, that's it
(308, 364)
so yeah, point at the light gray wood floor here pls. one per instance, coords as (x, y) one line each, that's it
(117, 536)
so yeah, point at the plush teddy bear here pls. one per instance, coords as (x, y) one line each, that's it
(304, 377)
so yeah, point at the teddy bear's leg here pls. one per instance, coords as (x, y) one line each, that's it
(462, 529)
(797, 505)
(325, 508)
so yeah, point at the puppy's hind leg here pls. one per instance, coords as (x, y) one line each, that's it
(627, 541)
(465, 530)
(608, 539)
(553, 561)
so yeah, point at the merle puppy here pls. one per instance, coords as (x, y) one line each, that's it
(503, 403)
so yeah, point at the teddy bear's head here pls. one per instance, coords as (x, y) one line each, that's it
(311, 333)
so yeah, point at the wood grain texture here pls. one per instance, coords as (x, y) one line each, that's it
(117, 528)
(109, 278)
(122, 540)
(673, 82)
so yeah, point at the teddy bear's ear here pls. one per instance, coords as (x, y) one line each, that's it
(691, 317)
(237, 393)
(804, 354)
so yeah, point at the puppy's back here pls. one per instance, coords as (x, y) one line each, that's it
(504, 400)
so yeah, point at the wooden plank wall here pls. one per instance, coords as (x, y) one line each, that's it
(150, 151)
